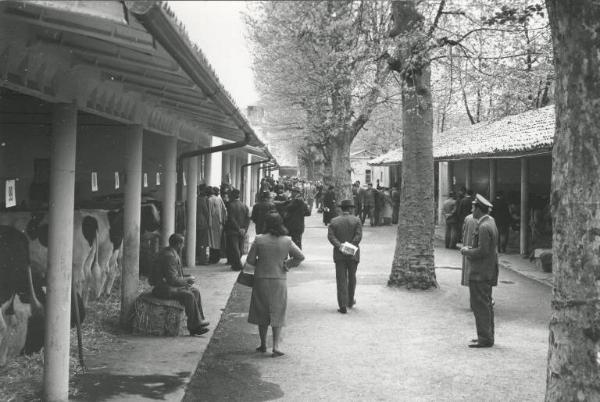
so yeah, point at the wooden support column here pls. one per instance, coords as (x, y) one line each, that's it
(492, 179)
(248, 182)
(207, 168)
(191, 206)
(523, 244)
(216, 164)
(443, 188)
(131, 222)
(170, 191)
(451, 176)
(225, 166)
(468, 174)
(60, 253)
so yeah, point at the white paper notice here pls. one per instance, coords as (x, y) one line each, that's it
(184, 181)
(157, 178)
(11, 194)
(117, 184)
(145, 179)
(94, 181)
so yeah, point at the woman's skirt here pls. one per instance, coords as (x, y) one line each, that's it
(269, 302)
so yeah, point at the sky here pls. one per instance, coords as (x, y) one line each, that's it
(218, 29)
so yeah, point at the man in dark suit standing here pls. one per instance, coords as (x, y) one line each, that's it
(484, 272)
(345, 228)
(236, 226)
(295, 211)
(169, 283)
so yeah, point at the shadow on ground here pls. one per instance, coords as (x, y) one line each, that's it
(102, 386)
(226, 371)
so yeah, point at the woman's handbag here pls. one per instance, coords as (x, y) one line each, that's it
(245, 278)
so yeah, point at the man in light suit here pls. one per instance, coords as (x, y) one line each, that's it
(483, 257)
(345, 228)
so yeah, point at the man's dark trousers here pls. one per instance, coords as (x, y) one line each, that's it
(297, 239)
(190, 298)
(345, 275)
(481, 303)
(451, 235)
(233, 251)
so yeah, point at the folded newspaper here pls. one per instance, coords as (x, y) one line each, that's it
(348, 248)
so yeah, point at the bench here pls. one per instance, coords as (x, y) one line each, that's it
(158, 317)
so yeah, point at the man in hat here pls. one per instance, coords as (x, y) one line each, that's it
(236, 227)
(342, 229)
(483, 257)
(295, 211)
(170, 283)
(261, 209)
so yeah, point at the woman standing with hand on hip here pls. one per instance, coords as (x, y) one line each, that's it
(269, 254)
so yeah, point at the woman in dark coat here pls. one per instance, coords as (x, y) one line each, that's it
(269, 254)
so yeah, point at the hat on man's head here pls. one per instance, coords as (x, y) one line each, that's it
(346, 204)
(296, 189)
(479, 199)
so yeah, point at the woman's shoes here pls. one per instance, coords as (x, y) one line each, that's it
(261, 349)
(277, 353)
(198, 331)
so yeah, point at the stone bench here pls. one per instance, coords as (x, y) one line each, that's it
(543, 259)
(158, 317)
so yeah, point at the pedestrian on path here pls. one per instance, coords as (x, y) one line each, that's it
(238, 220)
(346, 228)
(451, 219)
(170, 283)
(269, 254)
(484, 272)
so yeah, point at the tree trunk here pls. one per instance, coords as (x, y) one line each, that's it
(413, 264)
(574, 343)
(337, 168)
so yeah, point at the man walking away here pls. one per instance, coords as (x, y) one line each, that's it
(236, 227)
(369, 204)
(329, 205)
(217, 215)
(344, 229)
(484, 272)
(260, 210)
(169, 283)
(449, 212)
(295, 212)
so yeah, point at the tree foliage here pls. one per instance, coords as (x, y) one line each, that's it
(322, 60)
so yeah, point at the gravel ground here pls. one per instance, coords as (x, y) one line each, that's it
(394, 345)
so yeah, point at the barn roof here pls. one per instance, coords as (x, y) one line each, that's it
(523, 134)
(130, 62)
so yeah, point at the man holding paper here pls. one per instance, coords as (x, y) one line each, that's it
(345, 233)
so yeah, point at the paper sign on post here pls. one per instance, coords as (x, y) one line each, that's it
(157, 178)
(11, 194)
(145, 179)
(94, 181)
(184, 181)
(117, 184)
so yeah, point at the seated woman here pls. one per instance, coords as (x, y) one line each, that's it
(269, 254)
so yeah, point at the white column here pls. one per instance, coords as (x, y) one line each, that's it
(443, 188)
(524, 207)
(191, 199)
(60, 252)
(216, 164)
(170, 191)
(248, 182)
(225, 166)
(131, 222)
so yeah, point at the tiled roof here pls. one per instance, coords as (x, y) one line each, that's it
(526, 133)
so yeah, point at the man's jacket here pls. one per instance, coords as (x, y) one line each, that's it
(345, 228)
(484, 256)
(167, 275)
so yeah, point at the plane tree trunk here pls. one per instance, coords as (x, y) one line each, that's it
(573, 372)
